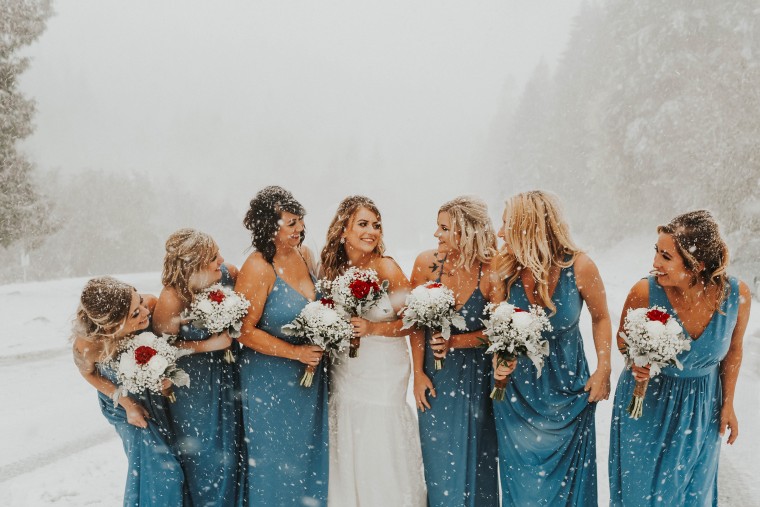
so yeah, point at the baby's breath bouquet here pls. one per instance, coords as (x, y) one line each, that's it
(654, 338)
(144, 362)
(219, 308)
(321, 325)
(354, 292)
(512, 332)
(432, 305)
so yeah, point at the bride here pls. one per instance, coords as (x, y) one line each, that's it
(374, 440)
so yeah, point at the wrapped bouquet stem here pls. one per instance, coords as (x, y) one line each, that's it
(653, 338)
(320, 325)
(512, 332)
(432, 306)
(219, 308)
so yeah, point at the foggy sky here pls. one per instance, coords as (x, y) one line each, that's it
(394, 99)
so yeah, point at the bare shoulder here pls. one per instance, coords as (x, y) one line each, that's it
(85, 351)
(638, 296)
(425, 265)
(311, 261)
(232, 270)
(586, 272)
(387, 267)
(169, 299)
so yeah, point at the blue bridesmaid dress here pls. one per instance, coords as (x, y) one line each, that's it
(285, 424)
(545, 426)
(669, 456)
(154, 473)
(457, 433)
(207, 422)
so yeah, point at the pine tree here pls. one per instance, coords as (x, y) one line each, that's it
(22, 209)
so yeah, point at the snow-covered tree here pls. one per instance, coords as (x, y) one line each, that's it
(22, 210)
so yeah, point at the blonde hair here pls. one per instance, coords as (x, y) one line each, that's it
(187, 251)
(102, 312)
(470, 220)
(334, 258)
(537, 238)
(698, 240)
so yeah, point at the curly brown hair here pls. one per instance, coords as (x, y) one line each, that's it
(263, 217)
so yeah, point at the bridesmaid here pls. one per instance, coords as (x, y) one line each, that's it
(109, 312)
(206, 417)
(671, 453)
(547, 436)
(285, 424)
(456, 424)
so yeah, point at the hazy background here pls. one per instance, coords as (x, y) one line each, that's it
(157, 115)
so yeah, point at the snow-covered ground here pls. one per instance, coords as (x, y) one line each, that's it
(56, 448)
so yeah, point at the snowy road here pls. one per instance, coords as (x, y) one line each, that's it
(56, 448)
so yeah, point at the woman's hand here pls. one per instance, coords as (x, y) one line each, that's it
(309, 354)
(422, 383)
(362, 327)
(137, 415)
(219, 341)
(728, 420)
(502, 370)
(598, 385)
(166, 387)
(439, 345)
(640, 373)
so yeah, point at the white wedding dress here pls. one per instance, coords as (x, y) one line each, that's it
(375, 457)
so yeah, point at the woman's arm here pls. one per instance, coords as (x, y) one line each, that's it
(255, 281)
(85, 354)
(591, 288)
(729, 367)
(422, 383)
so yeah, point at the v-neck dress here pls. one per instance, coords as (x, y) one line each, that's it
(545, 425)
(457, 433)
(669, 456)
(285, 424)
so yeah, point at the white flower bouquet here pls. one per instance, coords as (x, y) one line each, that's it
(432, 305)
(218, 309)
(144, 362)
(654, 338)
(511, 332)
(354, 292)
(321, 325)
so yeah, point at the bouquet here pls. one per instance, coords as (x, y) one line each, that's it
(653, 338)
(143, 362)
(512, 332)
(219, 308)
(432, 305)
(321, 325)
(355, 292)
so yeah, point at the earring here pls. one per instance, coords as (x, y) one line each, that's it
(342, 240)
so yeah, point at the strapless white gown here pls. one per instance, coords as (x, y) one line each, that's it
(375, 457)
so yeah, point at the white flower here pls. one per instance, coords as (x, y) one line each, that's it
(637, 313)
(205, 305)
(673, 326)
(503, 311)
(158, 364)
(655, 329)
(127, 364)
(145, 339)
(522, 320)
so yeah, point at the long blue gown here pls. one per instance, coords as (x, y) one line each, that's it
(669, 456)
(207, 422)
(154, 474)
(285, 424)
(545, 426)
(458, 434)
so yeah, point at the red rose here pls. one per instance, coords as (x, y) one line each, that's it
(435, 285)
(143, 354)
(519, 310)
(328, 302)
(216, 296)
(655, 314)
(360, 289)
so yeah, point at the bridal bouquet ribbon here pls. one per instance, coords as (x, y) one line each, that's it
(654, 338)
(432, 305)
(218, 309)
(512, 332)
(144, 362)
(354, 292)
(321, 325)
